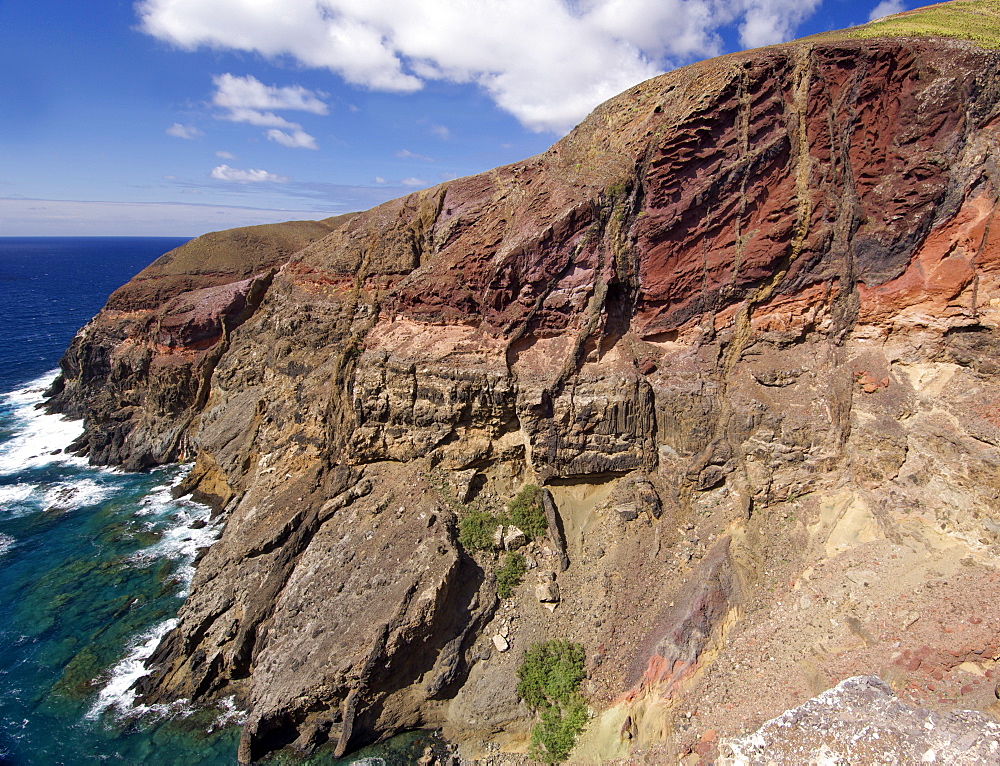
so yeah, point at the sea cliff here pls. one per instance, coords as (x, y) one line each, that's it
(741, 326)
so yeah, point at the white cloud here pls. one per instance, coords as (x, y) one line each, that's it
(413, 182)
(226, 173)
(886, 8)
(547, 62)
(183, 131)
(244, 99)
(380, 180)
(248, 92)
(262, 119)
(441, 131)
(225, 155)
(294, 139)
(767, 22)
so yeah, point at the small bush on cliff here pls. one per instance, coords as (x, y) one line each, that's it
(553, 738)
(510, 575)
(526, 512)
(475, 530)
(549, 682)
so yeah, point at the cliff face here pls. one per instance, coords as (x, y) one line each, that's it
(742, 323)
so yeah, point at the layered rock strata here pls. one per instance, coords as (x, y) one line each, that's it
(741, 323)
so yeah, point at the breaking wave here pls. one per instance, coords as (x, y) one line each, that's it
(118, 693)
(38, 439)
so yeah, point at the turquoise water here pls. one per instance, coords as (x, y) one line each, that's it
(94, 563)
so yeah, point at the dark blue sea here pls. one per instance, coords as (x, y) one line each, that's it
(94, 562)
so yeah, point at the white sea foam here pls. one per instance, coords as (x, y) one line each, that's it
(39, 439)
(6, 543)
(229, 715)
(185, 527)
(118, 693)
(16, 493)
(158, 501)
(70, 495)
(190, 531)
(20, 499)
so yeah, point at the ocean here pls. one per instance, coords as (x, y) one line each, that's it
(94, 562)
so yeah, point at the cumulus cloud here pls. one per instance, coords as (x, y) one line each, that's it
(226, 173)
(886, 8)
(183, 131)
(245, 99)
(547, 62)
(766, 22)
(248, 92)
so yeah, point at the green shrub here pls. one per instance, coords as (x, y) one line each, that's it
(526, 512)
(553, 737)
(510, 575)
(549, 681)
(475, 530)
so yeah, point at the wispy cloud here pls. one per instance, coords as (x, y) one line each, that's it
(440, 131)
(225, 155)
(261, 119)
(183, 131)
(547, 62)
(406, 154)
(173, 219)
(226, 173)
(413, 182)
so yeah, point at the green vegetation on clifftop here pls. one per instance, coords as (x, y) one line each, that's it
(974, 20)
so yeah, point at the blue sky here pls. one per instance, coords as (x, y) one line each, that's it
(177, 117)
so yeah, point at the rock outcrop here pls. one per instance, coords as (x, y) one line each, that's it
(741, 323)
(861, 721)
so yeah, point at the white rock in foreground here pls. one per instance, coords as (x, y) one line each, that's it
(860, 720)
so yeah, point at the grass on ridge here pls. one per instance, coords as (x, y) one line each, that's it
(974, 20)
